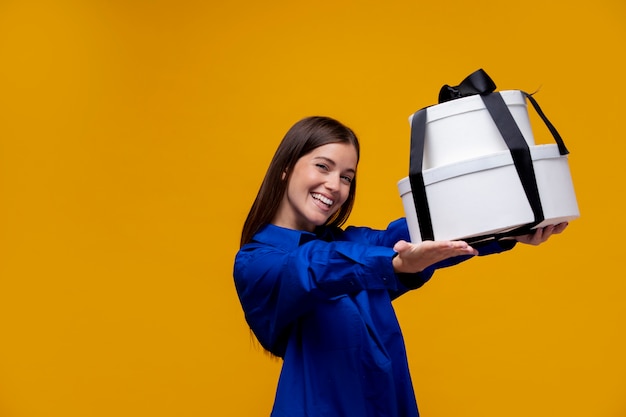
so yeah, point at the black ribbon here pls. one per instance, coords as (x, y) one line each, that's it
(416, 178)
(480, 83)
(519, 149)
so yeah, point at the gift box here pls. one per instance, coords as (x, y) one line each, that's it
(475, 171)
(481, 198)
(463, 129)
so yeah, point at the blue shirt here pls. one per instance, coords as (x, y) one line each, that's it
(322, 302)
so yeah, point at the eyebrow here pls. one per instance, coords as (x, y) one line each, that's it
(330, 161)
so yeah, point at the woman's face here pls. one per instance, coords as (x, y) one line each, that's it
(317, 187)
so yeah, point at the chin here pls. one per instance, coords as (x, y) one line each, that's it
(318, 222)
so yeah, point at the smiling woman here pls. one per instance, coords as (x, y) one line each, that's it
(319, 296)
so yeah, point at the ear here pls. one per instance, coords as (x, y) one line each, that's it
(284, 175)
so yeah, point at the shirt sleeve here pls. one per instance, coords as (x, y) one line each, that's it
(277, 286)
(398, 230)
(485, 248)
(395, 231)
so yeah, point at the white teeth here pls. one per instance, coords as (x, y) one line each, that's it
(323, 199)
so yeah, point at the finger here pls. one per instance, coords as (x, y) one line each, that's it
(559, 228)
(547, 232)
(470, 250)
(463, 247)
(537, 237)
(401, 246)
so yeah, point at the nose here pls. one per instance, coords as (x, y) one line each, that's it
(333, 182)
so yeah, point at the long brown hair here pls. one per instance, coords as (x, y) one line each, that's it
(302, 138)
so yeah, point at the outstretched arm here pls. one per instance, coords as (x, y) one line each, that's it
(416, 257)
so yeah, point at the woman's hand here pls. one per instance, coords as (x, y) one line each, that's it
(542, 234)
(416, 257)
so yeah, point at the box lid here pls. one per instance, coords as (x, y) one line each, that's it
(471, 103)
(482, 163)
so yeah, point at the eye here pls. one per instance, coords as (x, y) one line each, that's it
(322, 167)
(347, 179)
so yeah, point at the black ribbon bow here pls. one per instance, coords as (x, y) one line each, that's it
(477, 82)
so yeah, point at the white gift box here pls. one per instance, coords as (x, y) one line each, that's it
(476, 169)
(484, 195)
(463, 129)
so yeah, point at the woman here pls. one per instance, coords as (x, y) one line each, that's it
(320, 297)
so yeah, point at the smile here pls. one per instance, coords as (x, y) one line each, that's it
(323, 199)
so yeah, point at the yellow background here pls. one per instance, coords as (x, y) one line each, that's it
(134, 136)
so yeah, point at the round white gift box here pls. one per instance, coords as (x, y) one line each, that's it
(483, 195)
(463, 128)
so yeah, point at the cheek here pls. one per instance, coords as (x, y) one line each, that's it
(344, 195)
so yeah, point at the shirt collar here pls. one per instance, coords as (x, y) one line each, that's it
(289, 238)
